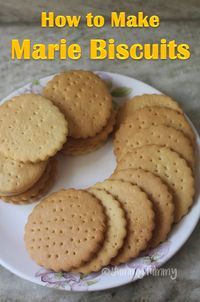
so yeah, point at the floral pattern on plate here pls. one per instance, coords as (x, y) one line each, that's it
(138, 268)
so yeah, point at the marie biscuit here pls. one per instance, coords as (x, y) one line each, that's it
(32, 129)
(65, 230)
(83, 98)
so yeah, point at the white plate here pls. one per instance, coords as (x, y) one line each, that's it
(81, 172)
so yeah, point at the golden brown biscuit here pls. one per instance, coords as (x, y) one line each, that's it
(65, 230)
(32, 129)
(83, 98)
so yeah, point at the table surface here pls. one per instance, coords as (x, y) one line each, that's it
(179, 79)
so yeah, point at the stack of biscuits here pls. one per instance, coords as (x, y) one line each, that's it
(134, 209)
(154, 135)
(86, 103)
(32, 131)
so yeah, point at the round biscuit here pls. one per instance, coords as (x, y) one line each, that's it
(65, 230)
(170, 167)
(83, 98)
(160, 196)
(32, 129)
(139, 214)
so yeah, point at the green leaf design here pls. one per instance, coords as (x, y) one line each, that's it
(155, 257)
(58, 275)
(82, 276)
(36, 82)
(91, 282)
(121, 92)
